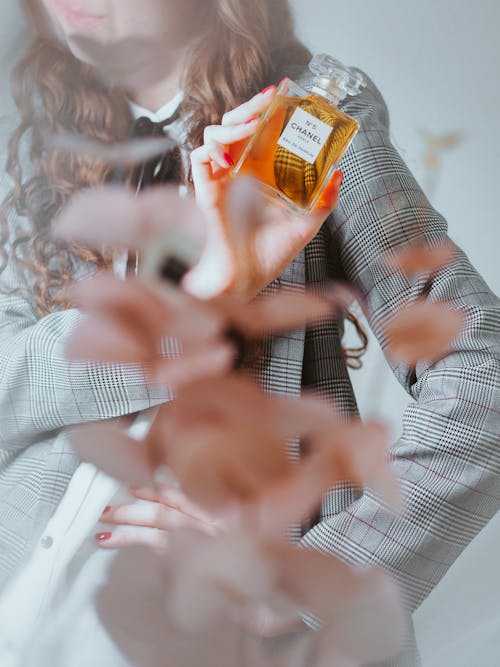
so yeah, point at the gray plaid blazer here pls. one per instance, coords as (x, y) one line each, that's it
(447, 458)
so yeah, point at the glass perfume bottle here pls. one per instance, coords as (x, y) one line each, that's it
(303, 135)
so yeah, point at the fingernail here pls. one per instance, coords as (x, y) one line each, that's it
(229, 159)
(106, 509)
(267, 89)
(250, 120)
(285, 78)
(102, 537)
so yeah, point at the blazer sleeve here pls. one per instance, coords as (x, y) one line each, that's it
(448, 457)
(40, 390)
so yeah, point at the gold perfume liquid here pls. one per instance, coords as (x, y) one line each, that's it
(290, 166)
(303, 136)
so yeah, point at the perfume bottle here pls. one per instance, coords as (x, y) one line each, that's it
(303, 135)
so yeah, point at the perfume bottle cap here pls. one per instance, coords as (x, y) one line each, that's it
(335, 78)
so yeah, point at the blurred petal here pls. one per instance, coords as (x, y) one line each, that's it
(194, 323)
(132, 605)
(416, 258)
(329, 656)
(213, 359)
(320, 575)
(142, 315)
(423, 331)
(221, 575)
(109, 214)
(179, 230)
(225, 442)
(364, 451)
(304, 416)
(355, 451)
(137, 608)
(238, 400)
(126, 321)
(297, 651)
(131, 305)
(233, 399)
(274, 618)
(159, 222)
(284, 311)
(124, 153)
(342, 296)
(217, 467)
(104, 340)
(371, 627)
(112, 451)
(316, 582)
(191, 607)
(288, 500)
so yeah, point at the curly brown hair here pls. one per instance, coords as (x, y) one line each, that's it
(246, 47)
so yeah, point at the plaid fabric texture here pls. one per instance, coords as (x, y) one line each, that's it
(448, 457)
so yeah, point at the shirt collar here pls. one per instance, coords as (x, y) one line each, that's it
(162, 113)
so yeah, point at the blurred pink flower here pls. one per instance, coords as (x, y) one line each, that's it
(415, 258)
(224, 442)
(125, 153)
(133, 606)
(125, 321)
(178, 608)
(423, 331)
(156, 222)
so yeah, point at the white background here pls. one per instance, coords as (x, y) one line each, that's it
(437, 63)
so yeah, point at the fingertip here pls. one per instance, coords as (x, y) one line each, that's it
(331, 194)
(268, 89)
(337, 179)
(106, 516)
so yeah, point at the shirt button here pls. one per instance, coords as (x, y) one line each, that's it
(47, 541)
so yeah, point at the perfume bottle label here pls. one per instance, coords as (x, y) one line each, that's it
(305, 135)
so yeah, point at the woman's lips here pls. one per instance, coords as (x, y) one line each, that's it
(76, 17)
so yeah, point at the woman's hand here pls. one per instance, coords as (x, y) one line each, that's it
(160, 512)
(225, 266)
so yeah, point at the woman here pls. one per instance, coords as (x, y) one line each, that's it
(220, 55)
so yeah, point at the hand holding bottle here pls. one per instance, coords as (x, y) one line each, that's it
(224, 265)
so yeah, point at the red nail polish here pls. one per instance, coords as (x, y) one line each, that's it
(106, 509)
(267, 89)
(250, 120)
(102, 537)
(229, 159)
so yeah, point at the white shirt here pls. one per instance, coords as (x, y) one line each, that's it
(163, 112)
(47, 613)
